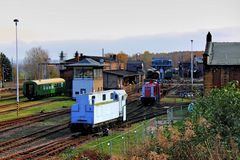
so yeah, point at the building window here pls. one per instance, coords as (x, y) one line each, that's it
(76, 92)
(104, 97)
(83, 72)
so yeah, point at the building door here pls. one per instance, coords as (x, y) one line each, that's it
(216, 77)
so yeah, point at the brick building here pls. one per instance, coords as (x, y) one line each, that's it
(221, 63)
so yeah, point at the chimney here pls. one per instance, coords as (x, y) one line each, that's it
(102, 52)
(205, 55)
(114, 57)
(77, 56)
(61, 56)
(209, 37)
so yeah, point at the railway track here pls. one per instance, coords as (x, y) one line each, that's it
(20, 122)
(14, 143)
(42, 151)
(12, 107)
(5, 98)
(50, 148)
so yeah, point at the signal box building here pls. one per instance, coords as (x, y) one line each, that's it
(87, 77)
(221, 63)
(67, 72)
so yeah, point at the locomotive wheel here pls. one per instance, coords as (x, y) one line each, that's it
(74, 128)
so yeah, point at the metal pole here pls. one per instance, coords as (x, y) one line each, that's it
(16, 21)
(192, 63)
(3, 76)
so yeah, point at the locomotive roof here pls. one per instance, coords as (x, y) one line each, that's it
(120, 91)
(48, 81)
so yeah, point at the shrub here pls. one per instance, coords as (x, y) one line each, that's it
(221, 109)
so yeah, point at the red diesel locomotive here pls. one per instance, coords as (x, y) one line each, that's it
(150, 92)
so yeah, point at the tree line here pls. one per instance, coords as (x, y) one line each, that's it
(37, 60)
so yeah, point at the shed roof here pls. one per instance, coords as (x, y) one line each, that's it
(121, 73)
(87, 62)
(224, 53)
(47, 81)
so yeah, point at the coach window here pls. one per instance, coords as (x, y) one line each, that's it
(104, 97)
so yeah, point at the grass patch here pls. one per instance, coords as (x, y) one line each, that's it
(34, 110)
(116, 143)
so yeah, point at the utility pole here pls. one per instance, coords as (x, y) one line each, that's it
(16, 21)
(192, 63)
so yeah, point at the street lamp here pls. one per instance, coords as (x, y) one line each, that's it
(16, 21)
(192, 63)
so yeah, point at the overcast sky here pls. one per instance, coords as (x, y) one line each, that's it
(116, 25)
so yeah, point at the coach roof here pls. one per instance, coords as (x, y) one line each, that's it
(48, 81)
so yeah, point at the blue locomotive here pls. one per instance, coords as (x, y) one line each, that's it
(98, 110)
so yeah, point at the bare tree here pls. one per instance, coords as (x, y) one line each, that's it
(34, 57)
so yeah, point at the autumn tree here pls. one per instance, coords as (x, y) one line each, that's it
(147, 58)
(5, 68)
(122, 57)
(33, 61)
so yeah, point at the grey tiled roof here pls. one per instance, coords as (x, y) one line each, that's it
(87, 62)
(224, 53)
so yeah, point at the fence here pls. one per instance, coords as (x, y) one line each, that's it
(120, 143)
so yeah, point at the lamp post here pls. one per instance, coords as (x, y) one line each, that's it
(16, 21)
(192, 63)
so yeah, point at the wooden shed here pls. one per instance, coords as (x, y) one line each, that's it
(221, 63)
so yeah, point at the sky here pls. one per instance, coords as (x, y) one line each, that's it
(130, 26)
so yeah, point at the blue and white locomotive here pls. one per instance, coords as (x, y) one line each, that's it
(97, 110)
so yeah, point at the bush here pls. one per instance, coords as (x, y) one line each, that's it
(210, 132)
(221, 109)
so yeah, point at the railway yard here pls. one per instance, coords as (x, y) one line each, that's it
(46, 133)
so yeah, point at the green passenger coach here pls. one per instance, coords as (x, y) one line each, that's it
(35, 89)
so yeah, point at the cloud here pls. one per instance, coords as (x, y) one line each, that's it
(154, 43)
